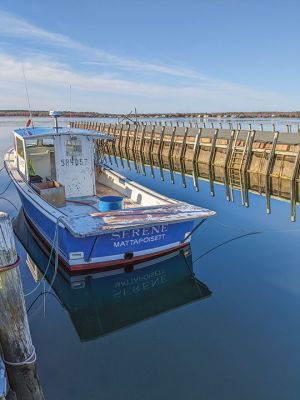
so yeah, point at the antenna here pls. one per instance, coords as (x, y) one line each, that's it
(70, 104)
(29, 121)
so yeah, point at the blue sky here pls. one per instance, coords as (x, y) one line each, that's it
(159, 56)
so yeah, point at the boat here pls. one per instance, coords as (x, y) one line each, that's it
(100, 303)
(3, 380)
(88, 214)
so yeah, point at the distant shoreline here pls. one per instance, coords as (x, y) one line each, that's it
(86, 114)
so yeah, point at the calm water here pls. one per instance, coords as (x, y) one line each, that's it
(233, 335)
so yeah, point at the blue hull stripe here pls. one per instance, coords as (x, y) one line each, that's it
(108, 246)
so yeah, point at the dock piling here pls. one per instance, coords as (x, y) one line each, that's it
(183, 145)
(196, 146)
(18, 350)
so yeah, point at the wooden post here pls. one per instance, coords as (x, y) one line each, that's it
(151, 141)
(182, 170)
(142, 139)
(120, 137)
(196, 146)
(229, 150)
(114, 131)
(293, 185)
(134, 136)
(183, 146)
(268, 171)
(213, 147)
(161, 141)
(195, 176)
(15, 336)
(172, 142)
(127, 137)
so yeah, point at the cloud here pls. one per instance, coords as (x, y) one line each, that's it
(13, 26)
(49, 80)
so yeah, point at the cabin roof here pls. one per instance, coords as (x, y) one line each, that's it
(31, 133)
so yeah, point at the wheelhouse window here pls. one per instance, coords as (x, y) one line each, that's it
(40, 157)
(73, 147)
(20, 148)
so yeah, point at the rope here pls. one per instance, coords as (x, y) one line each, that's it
(54, 246)
(29, 360)
(41, 294)
(4, 198)
(6, 188)
(11, 266)
(194, 230)
(223, 243)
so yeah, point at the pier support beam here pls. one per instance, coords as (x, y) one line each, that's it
(15, 336)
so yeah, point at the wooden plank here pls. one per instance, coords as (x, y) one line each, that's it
(101, 223)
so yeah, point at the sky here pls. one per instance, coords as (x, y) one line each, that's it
(158, 55)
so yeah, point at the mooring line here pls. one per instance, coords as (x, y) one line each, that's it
(223, 243)
(41, 294)
(29, 360)
(54, 246)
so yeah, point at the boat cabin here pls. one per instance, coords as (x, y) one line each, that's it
(56, 158)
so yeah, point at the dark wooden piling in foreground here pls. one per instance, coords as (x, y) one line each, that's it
(17, 347)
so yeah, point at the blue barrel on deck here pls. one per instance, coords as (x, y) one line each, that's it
(110, 203)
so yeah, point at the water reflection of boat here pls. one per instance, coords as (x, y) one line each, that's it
(99, 304)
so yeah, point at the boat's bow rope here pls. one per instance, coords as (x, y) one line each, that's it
(54, 247)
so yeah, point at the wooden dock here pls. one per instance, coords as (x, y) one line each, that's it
(265, 160)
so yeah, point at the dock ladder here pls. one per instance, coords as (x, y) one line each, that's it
(238, 164)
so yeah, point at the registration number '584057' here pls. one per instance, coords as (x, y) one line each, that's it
(65, 162)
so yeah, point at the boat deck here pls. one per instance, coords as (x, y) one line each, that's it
(81, 206)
